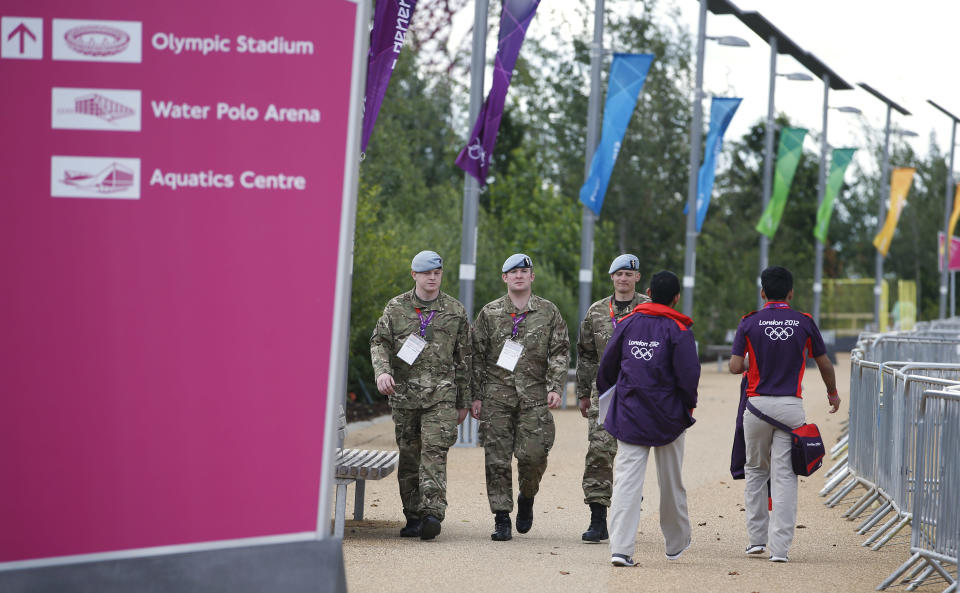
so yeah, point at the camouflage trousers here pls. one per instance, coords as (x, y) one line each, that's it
(598, 465)
(423, 437)
(506, 431)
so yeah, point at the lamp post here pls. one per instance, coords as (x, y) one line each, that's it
(821, 191)
(884, 190)
(593, 122)
(466, 432)
(696, 138)
(945, 272)
(768, 153)
(471, 188)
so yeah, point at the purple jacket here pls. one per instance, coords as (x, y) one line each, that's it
(652, 359)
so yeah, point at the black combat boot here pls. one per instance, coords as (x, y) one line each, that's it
(524, 513)
(429, 527)
(501, 527)
(412, 528)
(597, 532)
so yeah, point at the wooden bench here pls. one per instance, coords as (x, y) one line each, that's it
(721, 351)
(357, 466)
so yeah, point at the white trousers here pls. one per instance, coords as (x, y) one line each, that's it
(768, 458)
(629, 469)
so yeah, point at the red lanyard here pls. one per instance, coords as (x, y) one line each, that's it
(613, 318)
(776, 305)
(516, 322)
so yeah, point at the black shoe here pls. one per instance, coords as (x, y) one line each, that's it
(501, 527)
(524, 513)
(597, 532)
(429, 527)
(412, 528)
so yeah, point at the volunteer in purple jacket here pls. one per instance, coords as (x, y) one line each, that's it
(652, 360)
(777, 339)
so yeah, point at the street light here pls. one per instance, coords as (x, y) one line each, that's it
(768, 153)
(796, 76)
(729, 40)
(821, 193)
(903, 133)
(593, 124)
(944, 272)
(884, 191)
(696, 138)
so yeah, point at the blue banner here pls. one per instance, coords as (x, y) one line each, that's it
(627, 75)
(721, 112)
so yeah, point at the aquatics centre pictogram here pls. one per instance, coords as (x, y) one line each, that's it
(97, 40)
(114, 178)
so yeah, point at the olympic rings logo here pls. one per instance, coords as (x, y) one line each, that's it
(778, 333)
(641, 353)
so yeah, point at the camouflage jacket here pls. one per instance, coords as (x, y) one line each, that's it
(543, 363)
(595, 331)
(442, 371)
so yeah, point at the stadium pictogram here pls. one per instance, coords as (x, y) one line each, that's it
(97, 40)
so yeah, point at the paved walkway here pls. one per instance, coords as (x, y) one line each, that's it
(826, 555)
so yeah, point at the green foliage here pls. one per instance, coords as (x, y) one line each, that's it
(410, 195)
(649, 181)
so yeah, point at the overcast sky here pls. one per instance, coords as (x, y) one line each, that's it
(905, 50)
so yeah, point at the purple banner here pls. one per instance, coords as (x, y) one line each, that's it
(391, 20)
(476, 156)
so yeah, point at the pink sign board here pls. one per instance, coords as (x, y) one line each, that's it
(169, 222)
(954, 262)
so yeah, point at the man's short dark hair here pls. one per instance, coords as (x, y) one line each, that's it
(777, 282)
(664, 286)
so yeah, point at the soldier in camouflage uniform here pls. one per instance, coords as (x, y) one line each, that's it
(420, 350)
(512, 394)
(595, 332)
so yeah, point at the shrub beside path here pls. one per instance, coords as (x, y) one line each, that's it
(826, 554)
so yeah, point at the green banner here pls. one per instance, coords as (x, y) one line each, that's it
(788, 157)
(839, 160)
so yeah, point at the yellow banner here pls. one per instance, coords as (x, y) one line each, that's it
(900, 181)
(956, 211)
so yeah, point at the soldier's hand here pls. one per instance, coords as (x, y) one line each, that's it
(553, 400)
(385, 384)
(584, 404)
(475, 408)
(462, 415)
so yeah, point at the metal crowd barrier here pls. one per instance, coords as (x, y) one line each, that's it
(901, 388)
(901, 449)
(935, 538)
(467, 433)
(912, 347)
(861, 461)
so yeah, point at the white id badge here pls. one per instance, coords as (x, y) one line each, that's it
(411, 349)
(510, 355)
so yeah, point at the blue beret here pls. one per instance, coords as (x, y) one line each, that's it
(426, 261)
(627, 261)
(517, 260)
